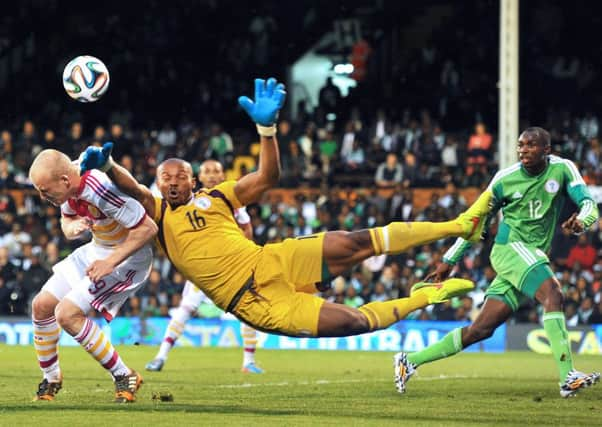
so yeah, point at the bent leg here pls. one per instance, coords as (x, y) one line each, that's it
(336, 320)
(87, 333)
(342, 250)
(493, 314)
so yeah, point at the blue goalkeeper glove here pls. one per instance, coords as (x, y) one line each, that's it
(269, 99)
(96, 158)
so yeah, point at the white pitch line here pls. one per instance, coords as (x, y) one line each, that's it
(327, 382)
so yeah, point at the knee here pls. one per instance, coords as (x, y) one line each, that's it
(42, 306)
(556, 299)
(349, 242)
(65, 315)
(553, 299)
(356, 322)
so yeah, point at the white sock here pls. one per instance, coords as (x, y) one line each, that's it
(173, 331)
(96, 343)
(249, 343)
(46, 334)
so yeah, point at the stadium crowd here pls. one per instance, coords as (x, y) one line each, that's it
(398, 157)
(366, 164)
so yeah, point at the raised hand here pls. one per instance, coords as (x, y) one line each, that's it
(573, 225)
(95, 158)
(269, 99)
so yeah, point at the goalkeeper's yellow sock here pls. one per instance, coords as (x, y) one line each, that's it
(383, 314)
(398, 237)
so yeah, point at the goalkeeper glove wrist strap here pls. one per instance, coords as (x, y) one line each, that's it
(266, 130)
(108, 165)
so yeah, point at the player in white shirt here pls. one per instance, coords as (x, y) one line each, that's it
(211, 173)
(99, 275)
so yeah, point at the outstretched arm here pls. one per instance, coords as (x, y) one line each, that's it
(269, 99)
(100, 158)
(128, 184)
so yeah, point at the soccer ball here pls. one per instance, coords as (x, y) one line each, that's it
(86, 78)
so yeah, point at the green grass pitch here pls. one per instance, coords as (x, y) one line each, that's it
(304, 388)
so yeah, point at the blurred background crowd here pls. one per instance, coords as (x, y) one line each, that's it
(409, 142)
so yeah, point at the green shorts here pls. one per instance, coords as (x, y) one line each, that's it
(521, 269)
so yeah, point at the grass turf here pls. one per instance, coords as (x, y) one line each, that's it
(300, 388)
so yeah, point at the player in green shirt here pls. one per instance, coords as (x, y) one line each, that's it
(530, 195)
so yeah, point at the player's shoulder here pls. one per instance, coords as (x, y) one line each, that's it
(96, 187)
(505, 172)
(95, 179)
(568, 168)
(224, 191)
(560, 161)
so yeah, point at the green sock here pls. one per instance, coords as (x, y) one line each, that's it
(449, 345)
(555, 327)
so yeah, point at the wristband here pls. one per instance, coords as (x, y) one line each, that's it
(108, 165)
(266, 130)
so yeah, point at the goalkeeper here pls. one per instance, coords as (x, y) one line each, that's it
(271, 287)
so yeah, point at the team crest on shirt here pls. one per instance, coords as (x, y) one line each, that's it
(203, 203)
(552, 186)
(95, 213)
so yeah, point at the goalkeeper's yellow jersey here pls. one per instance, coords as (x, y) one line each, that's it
(204, 242)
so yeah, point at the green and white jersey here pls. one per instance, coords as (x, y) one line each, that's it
(531, 205)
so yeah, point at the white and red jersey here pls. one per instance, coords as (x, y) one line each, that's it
(112, 212)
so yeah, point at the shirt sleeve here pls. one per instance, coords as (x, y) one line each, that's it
(456, 251)
(67, 210)
(579, 193)
(158, 201)
(225, 190)
(102, 193)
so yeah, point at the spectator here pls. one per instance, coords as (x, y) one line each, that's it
(75, 142)
(6, 306)
(390, 173)
(449, 153)
(6, 143)
(7, 178)
(348, 137)
(220, 145)
(329, 97)
(328, 150)
(585, 311)
(582, 253)
(352, 299)
(8, 272)
(478, 152)
(14, 240)
(355, 159)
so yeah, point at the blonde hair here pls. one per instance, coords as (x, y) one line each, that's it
(52, 162)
